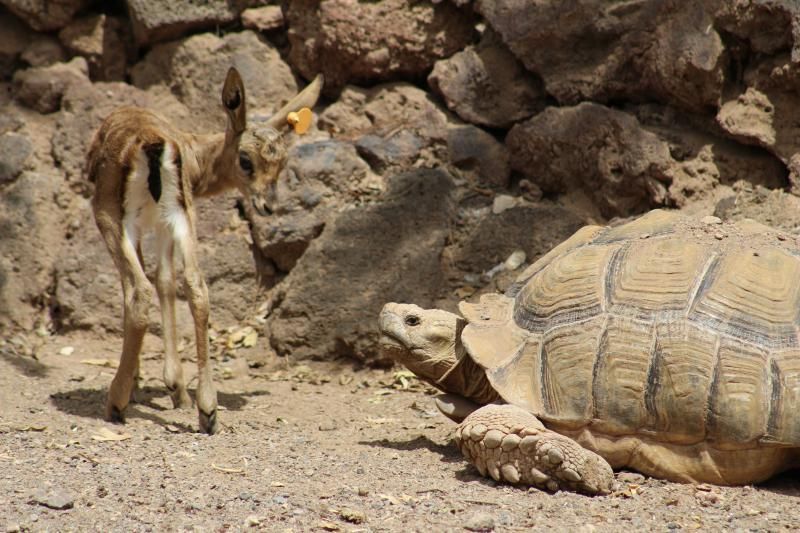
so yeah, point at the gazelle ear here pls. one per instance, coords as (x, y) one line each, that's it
(233, 100)
(306, 98)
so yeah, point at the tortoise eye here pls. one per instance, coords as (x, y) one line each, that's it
(245, 163)
(412, 320)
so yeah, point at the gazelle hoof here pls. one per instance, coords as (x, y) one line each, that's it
(114, 414)
(180, 398)
(208, 422)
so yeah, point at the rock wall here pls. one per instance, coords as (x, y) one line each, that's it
(452, 135)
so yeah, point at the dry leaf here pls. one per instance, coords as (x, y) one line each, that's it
(106, 435)
(250, 339)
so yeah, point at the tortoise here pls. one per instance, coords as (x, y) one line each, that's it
(668, 345)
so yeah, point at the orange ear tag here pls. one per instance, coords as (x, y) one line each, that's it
(300, 120)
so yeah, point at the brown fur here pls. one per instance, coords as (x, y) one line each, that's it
(199, 165)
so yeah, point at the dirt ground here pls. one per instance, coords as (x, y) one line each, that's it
(305, 447)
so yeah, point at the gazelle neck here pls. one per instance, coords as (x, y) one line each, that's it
(214, 163)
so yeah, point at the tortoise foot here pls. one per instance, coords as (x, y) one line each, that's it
(512, 445)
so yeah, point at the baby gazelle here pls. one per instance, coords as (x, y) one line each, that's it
(147, 174)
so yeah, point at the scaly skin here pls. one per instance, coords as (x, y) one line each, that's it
(512, 445)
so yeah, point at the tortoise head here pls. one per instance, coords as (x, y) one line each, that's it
(428, 342)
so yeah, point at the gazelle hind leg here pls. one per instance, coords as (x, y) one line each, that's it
(197, 294)
(165, 286)
(512, 445)
(137, 295)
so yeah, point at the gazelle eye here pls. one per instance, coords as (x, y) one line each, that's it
(412, 320)
(245, 163)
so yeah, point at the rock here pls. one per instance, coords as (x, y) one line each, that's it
(397, 149)
(31, 232)
(195, 68)
(102, 41)
(472, 148)
(491, 238)
(54, 498)
(45, 15)
(161, 20)
(353, 516)
(41, 88)
(43, 51)
(479, 521)
(487, 85)
(15, 149)
(282, 241)
(366, 255)
(367, 42)
(603, 152)
(630, 477)
(264, 18)
(13, 40)
(766, 26)
(605, 52)
(749, 118)
(773, 208)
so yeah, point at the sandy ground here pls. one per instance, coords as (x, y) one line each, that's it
(305, 447)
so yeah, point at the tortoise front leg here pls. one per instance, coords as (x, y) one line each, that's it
(512, 445)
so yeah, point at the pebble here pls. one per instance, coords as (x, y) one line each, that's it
(54, 498)
(252, 521)
(630, 477)
(710, 219)
(353, 516)
(479, 522)
(327, 425)
(503, 202)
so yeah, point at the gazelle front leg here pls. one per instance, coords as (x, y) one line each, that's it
(165, 286)
(197, 294)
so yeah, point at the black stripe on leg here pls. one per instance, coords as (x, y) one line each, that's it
(154, 152)
(179, 169)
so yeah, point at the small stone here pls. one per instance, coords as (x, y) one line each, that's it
(479, 522)
(327, 425)
(353, 516)
(514, 260)
(264, 18)
(719, 236)
(54, 498)
(362, 491)
(503, 202)
(493, 438)
(710, 220)
(66, 350)
(252, 521)
(630, 477)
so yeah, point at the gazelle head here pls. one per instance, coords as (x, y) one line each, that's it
(255, 153)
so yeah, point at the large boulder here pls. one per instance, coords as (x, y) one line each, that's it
(606, 153)
(102, 41)
(31, 231)
(321, 178)
(13, 41)
(45, 15)
(486, 85)
(366, 256)
(610, 51)
(162, 20)
(194, 69)
(42, 88)
(367, 42)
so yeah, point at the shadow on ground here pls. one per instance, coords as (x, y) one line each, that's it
(27, 365)
(450, 454)
(90, 403)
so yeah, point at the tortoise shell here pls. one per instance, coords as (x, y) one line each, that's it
(667, 327)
